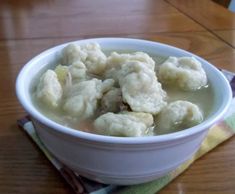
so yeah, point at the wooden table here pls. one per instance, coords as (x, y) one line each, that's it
(28, 27)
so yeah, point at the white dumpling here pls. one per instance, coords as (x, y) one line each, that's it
(68, 75)
(63, 74)
(78, 71)
(178, 115)
(82, 98)
(73, 53)
(90, 54)
(120, 125)
(96, 59)
(49, 90)
(115, 62)
(140, 88)
(146, 118)
(184, 72)
(112, 100)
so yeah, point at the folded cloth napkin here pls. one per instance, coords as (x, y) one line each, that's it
(216, 135)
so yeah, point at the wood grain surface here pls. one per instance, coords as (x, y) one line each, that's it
(227, 35)
(216, 19)
(210, 15)
(29, 27)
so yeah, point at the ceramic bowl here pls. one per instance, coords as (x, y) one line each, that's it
(120, 160)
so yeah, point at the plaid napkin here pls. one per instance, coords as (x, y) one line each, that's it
(217, 134)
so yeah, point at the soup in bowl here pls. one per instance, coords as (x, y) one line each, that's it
(122, 111)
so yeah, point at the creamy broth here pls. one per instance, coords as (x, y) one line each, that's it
(203, 98)
(197, 97)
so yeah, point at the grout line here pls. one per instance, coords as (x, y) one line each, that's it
(207, 29)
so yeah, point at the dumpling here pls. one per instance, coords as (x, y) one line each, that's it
(140, 88)
(67, 75)
(120, 125)
(112, 100)
(178, 115)
(62, 73)
(90, 54)
(49, 90)
(96, 59)
(146, 118)
(73, 53)
(115, 62)
(78, 71)
(82, 98)
(184, 72)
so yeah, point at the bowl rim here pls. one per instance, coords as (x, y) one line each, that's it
(112, 139)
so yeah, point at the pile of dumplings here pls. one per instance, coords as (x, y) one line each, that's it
(122, 93)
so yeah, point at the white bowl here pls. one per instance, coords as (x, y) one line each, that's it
(120, 160)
